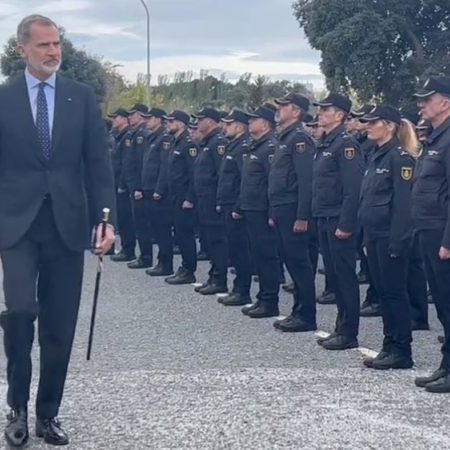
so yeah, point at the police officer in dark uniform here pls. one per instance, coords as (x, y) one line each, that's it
(155, 190)
(124, 213)
(385, 215)
(236, 130)
(181, 162)
(370, 307)
(338, 171)
(206, 176)
(431, 202)
(253, 205)
(133, 180)
(290, 194)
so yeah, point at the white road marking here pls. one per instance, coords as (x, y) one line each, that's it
(322, 334)
(222, 295)
(196, 284)
(367, 352)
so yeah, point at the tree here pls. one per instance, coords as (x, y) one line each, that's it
(76, 64)
(378, 48)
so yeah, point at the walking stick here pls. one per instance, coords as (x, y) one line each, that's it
(105, 220)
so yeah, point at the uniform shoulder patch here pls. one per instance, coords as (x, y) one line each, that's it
(193, 152)
(407, 173)
(166, 145)
(300, 147)
(127, 142)
(140, 140)
(271, 158)
(349, 153)
(221, 150)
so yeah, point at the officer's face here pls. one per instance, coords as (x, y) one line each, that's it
(120, 122)
(329, 117)
(257, 127)
(42, 51)
(230, 130)
(135, 119)
(380, 130)
(434, 106)
(154, 123)
(286, 113)
(352, 125)
(171, 126)
(205, 125)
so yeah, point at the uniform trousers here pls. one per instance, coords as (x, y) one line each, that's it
(125, 221)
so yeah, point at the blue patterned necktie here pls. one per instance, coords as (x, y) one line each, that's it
(42, 124)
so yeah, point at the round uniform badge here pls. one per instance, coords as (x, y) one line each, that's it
(193, 152)
(349, 153)
(300, 147)
(221, 150)
(140, 140)
(407, 173)
(127, 142)
(166, 145)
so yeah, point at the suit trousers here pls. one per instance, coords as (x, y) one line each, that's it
(159, 213)
(215, 237)
(184, 221)
(42, 279)
(295, 250)
(125, 220)
(264, 251)
(144, 232)
(239, 250)
(438, 276)
(340, 262)
(389, 275)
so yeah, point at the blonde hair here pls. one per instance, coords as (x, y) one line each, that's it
(406, 134)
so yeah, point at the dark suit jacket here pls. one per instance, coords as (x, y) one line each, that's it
(79, 168)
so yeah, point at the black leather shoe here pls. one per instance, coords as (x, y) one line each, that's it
(16, 431)
(246, 309)
(294, 325)
(289, 287)
(327, 298)
(392, 361)
(339, 342)
(202, 286)
(183, 276)
(440, 386)
(372, 310)
(436, 375)
(236, 299)
(202, 256)
(368, 361)
(139, 263)
(321, 340)
(122, 257)
(264, 310)
(159, 271)
(441, 339)
(420, 326)
(51, 431)
(213, 289)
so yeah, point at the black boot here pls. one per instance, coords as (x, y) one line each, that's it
(340, 342)
(292, 324)
(51, 431)
(371, 310)
(159, 270)
(236, 299)
(436, 375)
(246, 309)
(183, 276)
(16, 431)
(213, 289)
(140, 263)
(392, 361)
(327, 298)
(122, 257)
(264, 310)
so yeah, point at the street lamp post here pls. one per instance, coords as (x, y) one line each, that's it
(148, 50)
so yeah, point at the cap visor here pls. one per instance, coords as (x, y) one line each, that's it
(323, 104)
(280, 101)
(198, 116)
(424, 94)
(368, 118)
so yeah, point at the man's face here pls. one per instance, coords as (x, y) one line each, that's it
(42, 51)
(257, 126)
(171, 126)
(352, 125)
(205, 125)
(120, 122)
(434, 106)
(230, 130)
(154, 123)
(135, 119)
(285, 113)
(329, 116)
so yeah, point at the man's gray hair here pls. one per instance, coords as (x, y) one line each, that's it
(23, 30)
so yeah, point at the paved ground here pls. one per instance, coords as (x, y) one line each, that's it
(174, 370)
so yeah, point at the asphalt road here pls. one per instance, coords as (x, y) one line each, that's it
(172, 369)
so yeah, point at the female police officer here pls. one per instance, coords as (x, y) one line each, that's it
(385, 215)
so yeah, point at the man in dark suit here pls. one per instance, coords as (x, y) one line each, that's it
(53, 160)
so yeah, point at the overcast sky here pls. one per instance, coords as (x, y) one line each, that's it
(233, 36)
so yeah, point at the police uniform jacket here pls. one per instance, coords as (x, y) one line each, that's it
(385, 206)
(290, 176)
(337, 174)
(367, 147)
(181, 162)
(230, 171)
(117, 155)
(207, 165)
(132, 161)
(431, 187)
(255, 175)
(154, 162)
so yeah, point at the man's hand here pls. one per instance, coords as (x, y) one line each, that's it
(103, 244)
(187, 205)
(157, 197)
(236, 216)
(121, 191)
(271, 223)
(300, 226)
(342, 235)
(444, 254)
(138, 195)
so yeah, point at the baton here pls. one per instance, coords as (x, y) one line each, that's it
(105, 220)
